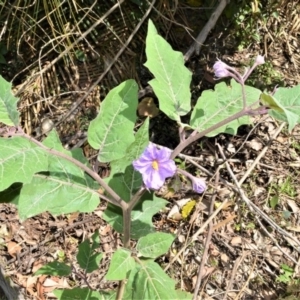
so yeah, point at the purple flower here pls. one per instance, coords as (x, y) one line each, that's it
(198, 185)
(221, 70)
(155, 166)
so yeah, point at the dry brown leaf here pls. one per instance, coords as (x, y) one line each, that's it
(237, 240)
(147, 108)
(224, 222)
(13, 248)
(224, 258)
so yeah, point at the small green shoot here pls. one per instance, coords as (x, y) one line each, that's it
(286, 274)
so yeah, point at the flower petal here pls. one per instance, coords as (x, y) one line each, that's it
(153, 180)
(220, 69)
(153, 156)
(167, 169)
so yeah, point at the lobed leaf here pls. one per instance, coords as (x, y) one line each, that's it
(215, 106)
(83, 294)
(121, 263)
(9, 114)
(154, 244)
(86, 258)
(112, 130)
(148, 281)
(20, 159)
(172, 79)
(64, 189)
(289, 101)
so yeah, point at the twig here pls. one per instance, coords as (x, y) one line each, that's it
(256, 210)
(261, 154)
(233, 273)
(195, 235)
(196, 46)
(207, 241)
(91, 88)
(248, 279)
(63, 53)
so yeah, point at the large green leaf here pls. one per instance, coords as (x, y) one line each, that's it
(19, 160)
(121, 263)
(64, 189)
(141, 217)
(8, 104)
(112, 130)
(215, 106)
(154, 244)
(289, 101)
(134, 151)
(148, 281)
(124, 180)
(172, 79)
(57, 196)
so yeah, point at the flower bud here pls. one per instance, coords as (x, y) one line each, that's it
(198, 185)
(220, 69)
(260, 60)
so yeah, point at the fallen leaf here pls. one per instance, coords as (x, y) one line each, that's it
(237, 240)
(13, 248)
(147, 108)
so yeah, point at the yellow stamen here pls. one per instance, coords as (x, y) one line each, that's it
(155, 165)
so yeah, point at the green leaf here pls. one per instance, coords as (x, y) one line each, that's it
(65, 189)
(124, 180)
(54, 268)
(87, 259)
(271, 102)
(60, 167)
(289, 101)
(274, 201)
(126, 184)
(83, 294)
(20, 159)
(215, 106)
(112, 130)
(155, 244)
(58, 196)
(148, 281)
(134, 151)
(141, 217)
(8, 104)
(121, 264)
(172, 79)
(182, 295)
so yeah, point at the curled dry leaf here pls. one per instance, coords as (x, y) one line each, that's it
(147, 108)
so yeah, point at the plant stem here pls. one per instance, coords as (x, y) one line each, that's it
(116, 200)
(194, 137)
